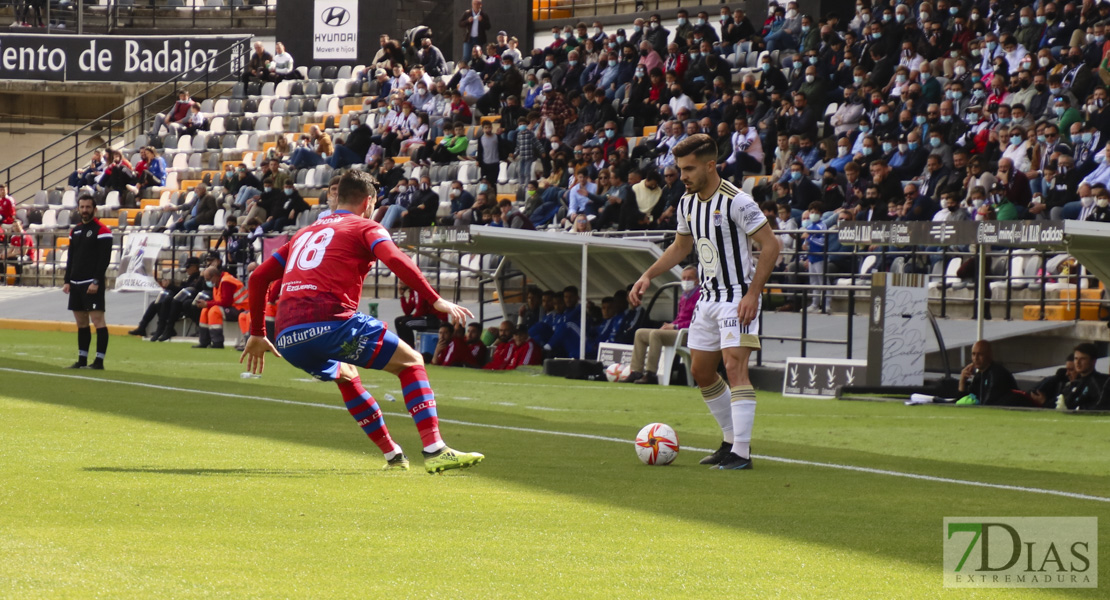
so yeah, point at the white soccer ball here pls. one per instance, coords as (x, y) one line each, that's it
(657, 444)
(617, 372)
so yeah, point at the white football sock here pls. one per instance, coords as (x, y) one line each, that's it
(743, 417)
(717, 398)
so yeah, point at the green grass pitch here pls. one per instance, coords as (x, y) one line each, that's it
(116, 490)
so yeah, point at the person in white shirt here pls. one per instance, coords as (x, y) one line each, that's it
(400, 79)
(1018, 149)
(1014, 52)
(282, 66)
(747, 151)
(679, 99)
(1101, 174)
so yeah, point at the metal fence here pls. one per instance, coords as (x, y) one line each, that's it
(110, 16)
(953, 289)
(543, 10)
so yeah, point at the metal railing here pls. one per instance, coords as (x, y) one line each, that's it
(122, 15)
(49, 249)
(545, 10)
(445, 271)
(123, 123)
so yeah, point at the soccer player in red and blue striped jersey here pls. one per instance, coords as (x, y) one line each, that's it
(320, 330)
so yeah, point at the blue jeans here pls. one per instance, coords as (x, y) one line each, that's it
(468, 45)
(1069, 211)
(303, 158)
(343, 157)
(245, 193)
(392, 216)
(780, 40)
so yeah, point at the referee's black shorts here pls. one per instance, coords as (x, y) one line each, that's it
(80, 299)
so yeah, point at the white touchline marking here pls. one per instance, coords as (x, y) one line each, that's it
(587, 436)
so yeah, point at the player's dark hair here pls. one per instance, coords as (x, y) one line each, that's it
(700, 145)
(354, 187)
(86, 197)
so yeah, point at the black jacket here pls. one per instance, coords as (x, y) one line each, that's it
(90, 251)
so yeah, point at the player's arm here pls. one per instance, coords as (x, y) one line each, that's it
(679, 249)
(258, 345)
(769, 248)
(402, 266)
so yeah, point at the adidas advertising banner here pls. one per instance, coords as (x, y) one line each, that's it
(820, 377)
(335, 30)
(138, 266)
(116, 58)
(952, 233)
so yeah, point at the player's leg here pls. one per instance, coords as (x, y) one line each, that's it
(312, 356)
(742, 399)
(368, 415)
(84, 336)
(97, 319)
(408, 366)
(738, 342)
(715, 393)
(704, 341)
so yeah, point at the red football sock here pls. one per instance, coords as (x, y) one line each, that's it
(421, 403)
(367, 413)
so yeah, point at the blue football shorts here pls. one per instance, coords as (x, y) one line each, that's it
(318, 348)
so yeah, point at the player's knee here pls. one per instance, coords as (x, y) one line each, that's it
(703, 375)
(404, 358)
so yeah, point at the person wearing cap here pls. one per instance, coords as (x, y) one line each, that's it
(161, 307)
(431, 58)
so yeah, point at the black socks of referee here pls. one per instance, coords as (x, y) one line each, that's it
(84, 337)
(101, 343)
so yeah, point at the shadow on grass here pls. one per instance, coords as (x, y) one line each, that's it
(886, 517)
(201, 472)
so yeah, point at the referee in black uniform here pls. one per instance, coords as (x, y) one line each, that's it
(90, 250)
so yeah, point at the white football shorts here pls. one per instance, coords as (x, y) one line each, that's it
(715, 325)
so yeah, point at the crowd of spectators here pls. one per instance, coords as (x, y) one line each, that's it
(984, 110)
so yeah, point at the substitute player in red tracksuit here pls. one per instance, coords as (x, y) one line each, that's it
(321, 331)
(523, 350)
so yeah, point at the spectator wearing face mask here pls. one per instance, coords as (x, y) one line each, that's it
(814, 245)
(286, 212)
(1101, 212)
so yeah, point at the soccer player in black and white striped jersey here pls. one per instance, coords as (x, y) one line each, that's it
(721, 222)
